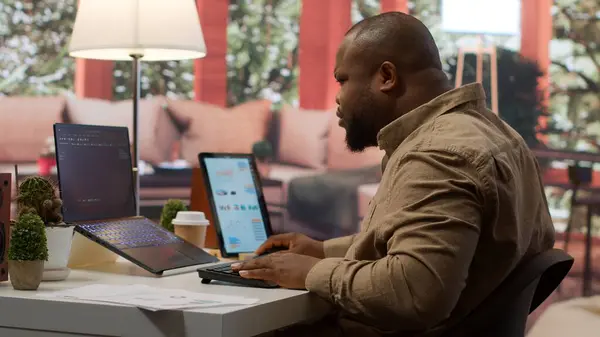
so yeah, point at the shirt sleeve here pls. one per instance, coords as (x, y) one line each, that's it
(431, 222)
(338, 247)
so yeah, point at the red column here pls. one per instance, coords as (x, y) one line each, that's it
(210, 82)
(93, 79)
(394, 6)
(323, 25)
(536, 33)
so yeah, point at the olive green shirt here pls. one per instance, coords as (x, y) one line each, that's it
(460, 204)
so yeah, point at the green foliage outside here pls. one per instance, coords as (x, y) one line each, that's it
(28, 240)
(174, 79)
(262, 51)
(34, 39)
(169, 212)
(575, 76)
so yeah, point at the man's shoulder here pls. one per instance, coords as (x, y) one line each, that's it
(476, 135)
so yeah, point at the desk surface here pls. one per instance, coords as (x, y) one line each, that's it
(276, 308)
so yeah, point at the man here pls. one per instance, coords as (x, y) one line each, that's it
(460, 203)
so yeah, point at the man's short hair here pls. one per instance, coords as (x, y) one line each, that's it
(396, 37)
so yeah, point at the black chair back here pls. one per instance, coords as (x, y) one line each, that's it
(504, 313)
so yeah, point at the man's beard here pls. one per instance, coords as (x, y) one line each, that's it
(361, 131)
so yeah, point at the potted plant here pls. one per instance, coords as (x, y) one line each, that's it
(169, 212)
(38, 195)
(263, 152)
(27, 252)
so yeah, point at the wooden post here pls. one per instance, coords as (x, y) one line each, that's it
(210, 82)
(323, 25)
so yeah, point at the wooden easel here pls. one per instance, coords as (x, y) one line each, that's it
(480, 50)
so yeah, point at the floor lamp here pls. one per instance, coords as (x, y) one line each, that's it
(135, 30)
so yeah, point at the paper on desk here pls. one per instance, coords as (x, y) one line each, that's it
(150, 298)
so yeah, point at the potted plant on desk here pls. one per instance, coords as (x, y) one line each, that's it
(27, 252)
(38, 195)
(263, 152)
(169, 212)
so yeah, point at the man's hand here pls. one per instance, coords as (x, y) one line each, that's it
(288, 270)
(295, 243)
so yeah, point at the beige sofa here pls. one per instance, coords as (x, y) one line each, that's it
(306, 142)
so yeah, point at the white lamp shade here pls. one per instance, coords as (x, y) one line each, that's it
(494, 17)
(156, 30)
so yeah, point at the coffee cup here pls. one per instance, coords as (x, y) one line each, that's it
(191, 226)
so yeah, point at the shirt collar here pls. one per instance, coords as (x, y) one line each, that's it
(393, 134)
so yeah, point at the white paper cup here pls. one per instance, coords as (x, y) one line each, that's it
(191, 226)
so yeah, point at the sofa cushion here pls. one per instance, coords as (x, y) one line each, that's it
(339, 157)
(157, 132)
(303, 137)
(210, 128)
(27, 124)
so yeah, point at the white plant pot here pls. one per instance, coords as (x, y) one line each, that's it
(59, 249)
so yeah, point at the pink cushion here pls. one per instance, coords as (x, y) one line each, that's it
(339, 157)
(25, 125)
(214, 129)
(157, 132)
(303, 137)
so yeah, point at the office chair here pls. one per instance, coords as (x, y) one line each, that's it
(504, 313)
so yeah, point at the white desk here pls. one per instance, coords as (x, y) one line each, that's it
(24, 314)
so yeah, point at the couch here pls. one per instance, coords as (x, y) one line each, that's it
(305, 142)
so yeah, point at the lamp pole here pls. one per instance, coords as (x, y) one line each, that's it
(136, 77)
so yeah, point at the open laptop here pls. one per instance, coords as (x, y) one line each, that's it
(96, 186)
(239, 211)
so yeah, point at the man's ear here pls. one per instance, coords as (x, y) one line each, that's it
(388, 77)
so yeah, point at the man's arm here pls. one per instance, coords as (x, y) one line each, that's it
(433, 218)
(338, 247)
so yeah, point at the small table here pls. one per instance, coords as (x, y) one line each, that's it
(26, 315)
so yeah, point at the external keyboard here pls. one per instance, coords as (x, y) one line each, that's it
(223, 272)
(131, 233)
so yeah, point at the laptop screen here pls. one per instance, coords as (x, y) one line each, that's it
(94, 172)
(242, 224)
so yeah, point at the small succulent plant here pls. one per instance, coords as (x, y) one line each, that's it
(38, 195)
(28, 241)
(169, 212)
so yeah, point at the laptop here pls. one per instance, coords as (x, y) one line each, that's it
(239, 212)
(95, 177)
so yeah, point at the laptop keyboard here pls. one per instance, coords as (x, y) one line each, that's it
(131, 233)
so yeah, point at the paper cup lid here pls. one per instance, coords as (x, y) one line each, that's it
(189, 218)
